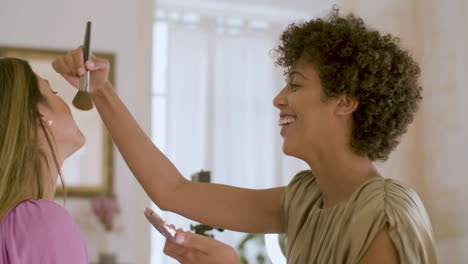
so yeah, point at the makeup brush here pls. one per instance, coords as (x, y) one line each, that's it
(82, 100)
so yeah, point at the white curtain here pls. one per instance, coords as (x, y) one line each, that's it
(221, 80)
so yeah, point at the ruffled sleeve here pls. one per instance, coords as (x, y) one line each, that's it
(388, 202)
(42, 232)
(410, 228)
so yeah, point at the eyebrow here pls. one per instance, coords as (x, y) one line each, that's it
(289, 74)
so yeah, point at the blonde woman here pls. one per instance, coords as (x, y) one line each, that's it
(37, 133)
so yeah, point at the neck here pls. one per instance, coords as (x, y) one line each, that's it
(50, 172)
(339, 173)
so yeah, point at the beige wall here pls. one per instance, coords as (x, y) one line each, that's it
(119, 26)
(433, 156)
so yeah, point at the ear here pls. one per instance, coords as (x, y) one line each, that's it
(346, 105)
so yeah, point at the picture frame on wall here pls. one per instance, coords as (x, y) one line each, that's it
(89, 171)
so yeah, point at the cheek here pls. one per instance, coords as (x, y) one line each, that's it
(313, 125)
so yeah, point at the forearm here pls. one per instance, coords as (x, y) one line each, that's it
(255, 211)
(228, 207)
(214, 204)
(151, 167)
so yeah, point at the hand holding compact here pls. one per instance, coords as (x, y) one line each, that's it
(191, 248)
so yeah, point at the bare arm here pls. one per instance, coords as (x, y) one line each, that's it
(214, 204)
(381, 250)
(255, 211)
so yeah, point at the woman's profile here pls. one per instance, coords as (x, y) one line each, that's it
(37, 133)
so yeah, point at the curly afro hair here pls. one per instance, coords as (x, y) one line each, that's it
(355, 60)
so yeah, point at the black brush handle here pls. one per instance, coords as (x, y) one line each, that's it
(87, 40)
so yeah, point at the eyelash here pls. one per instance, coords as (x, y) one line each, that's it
(294, 86)
(54, 92)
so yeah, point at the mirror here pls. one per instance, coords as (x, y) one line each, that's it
(88, 172)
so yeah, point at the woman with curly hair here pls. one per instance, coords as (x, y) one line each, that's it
(349, 96)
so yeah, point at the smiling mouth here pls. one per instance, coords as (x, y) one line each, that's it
(286, 121)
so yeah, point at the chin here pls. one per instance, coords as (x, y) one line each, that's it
(81, 140)
(77, 142)
(288, 150)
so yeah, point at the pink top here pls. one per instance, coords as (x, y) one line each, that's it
(41, 232)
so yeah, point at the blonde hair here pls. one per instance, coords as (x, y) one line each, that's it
(20, 154)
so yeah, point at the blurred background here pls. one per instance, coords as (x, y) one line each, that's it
(199, 77)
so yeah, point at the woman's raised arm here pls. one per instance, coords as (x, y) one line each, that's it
(246, 210)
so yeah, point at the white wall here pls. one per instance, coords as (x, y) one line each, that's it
(124, 28)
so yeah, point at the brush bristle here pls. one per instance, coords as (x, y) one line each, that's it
(82, 101)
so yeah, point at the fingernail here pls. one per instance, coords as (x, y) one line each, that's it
(180, 238)
(90, 64)
(81, 71)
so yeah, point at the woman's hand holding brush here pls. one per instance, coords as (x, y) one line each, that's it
(72, 67)
(80, 63)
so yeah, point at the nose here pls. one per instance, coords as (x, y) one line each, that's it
(280, 99)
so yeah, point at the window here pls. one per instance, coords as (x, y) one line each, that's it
(214, 82)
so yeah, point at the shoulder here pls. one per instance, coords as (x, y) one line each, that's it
(41, 228)
(303, 182)
(388, 196)
(393, 202)
(392, 205)
(303, 179)
(297, 198)
(41, 207)
(32, 214)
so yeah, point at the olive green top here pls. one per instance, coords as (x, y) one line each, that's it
(342, 234)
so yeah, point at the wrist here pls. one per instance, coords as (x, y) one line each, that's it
(102, 91)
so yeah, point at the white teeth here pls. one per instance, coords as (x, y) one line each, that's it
(285, 120)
